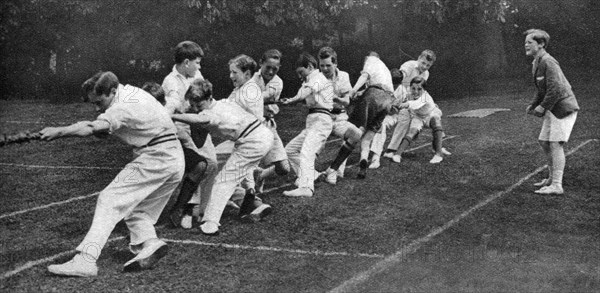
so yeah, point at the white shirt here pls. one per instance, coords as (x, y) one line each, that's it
(378, 73)
(274, 87)
(318, 91)
(136, 117)
(227, 119)
(249, 97)
(410, 70)
(175, 86)
(341, 86)
(422, 106)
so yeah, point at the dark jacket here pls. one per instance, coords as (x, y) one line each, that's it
(553, 89)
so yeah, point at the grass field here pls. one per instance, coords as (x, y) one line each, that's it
(469, 224)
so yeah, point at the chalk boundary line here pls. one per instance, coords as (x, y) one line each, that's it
(31, 264)
(351, 284)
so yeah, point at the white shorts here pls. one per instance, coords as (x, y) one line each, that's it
(557, 130)
(418, 122)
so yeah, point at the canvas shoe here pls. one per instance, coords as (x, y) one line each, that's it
(550, 189)
(79, 266)
(544, 182)
(445, 152)
(154, 249)
(340, 172)
(186, 222)
(209, 228)
(260, 211)
(436, 159)
(299, 192)
(331, 176)
(374, 163)
(397, 159)
(388, 155)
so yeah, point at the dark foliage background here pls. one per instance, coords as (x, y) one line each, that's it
(49, 47)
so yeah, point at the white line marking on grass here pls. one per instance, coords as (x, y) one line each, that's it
(49, 205)
(398, 257)
(33, 263)
(59, 167)
(274, 249)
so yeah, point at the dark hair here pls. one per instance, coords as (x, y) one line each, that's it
(187, 50)
(429, 55)
(245, 63)
(373, 53)
(327, 52)
(100, 84)
(155, 90)
(418, 80)
(538, 35)
(397, 75)
(271, 54)
(305, 59)
(199, 90)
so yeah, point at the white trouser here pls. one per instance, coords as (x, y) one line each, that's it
(138, 194)
(302, 150)
(400, 123)
(247, 153)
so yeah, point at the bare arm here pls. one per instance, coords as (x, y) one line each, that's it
(359, 83)
(79, 129)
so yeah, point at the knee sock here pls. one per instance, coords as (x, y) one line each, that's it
(558, 165)
(342, 155)
(188, 187)
(437, 141)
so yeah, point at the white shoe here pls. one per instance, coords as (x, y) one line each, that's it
(397, 158)
(186, 222)
(436, 159)
(374, 164)
(445, 152)
(550, 189)
(300, 192)
(331, 176)
(340, 173)
(79, 266)
(388, 155)
(544, 182)
(260, 211)
(210, 228)
(154, 249)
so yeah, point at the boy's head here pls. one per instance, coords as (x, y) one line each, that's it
(426, 60)
(198, 95)
(188, 56)
(416, 87)
(327, 61)
(155, 90)
(397, 76)
(270, 62)
(305, 64)
(536, 40)
(100, 90)
(241, 69)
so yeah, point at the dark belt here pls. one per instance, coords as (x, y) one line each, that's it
(249, 129)
(337, 111)
(161, 139)
(319, 110)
